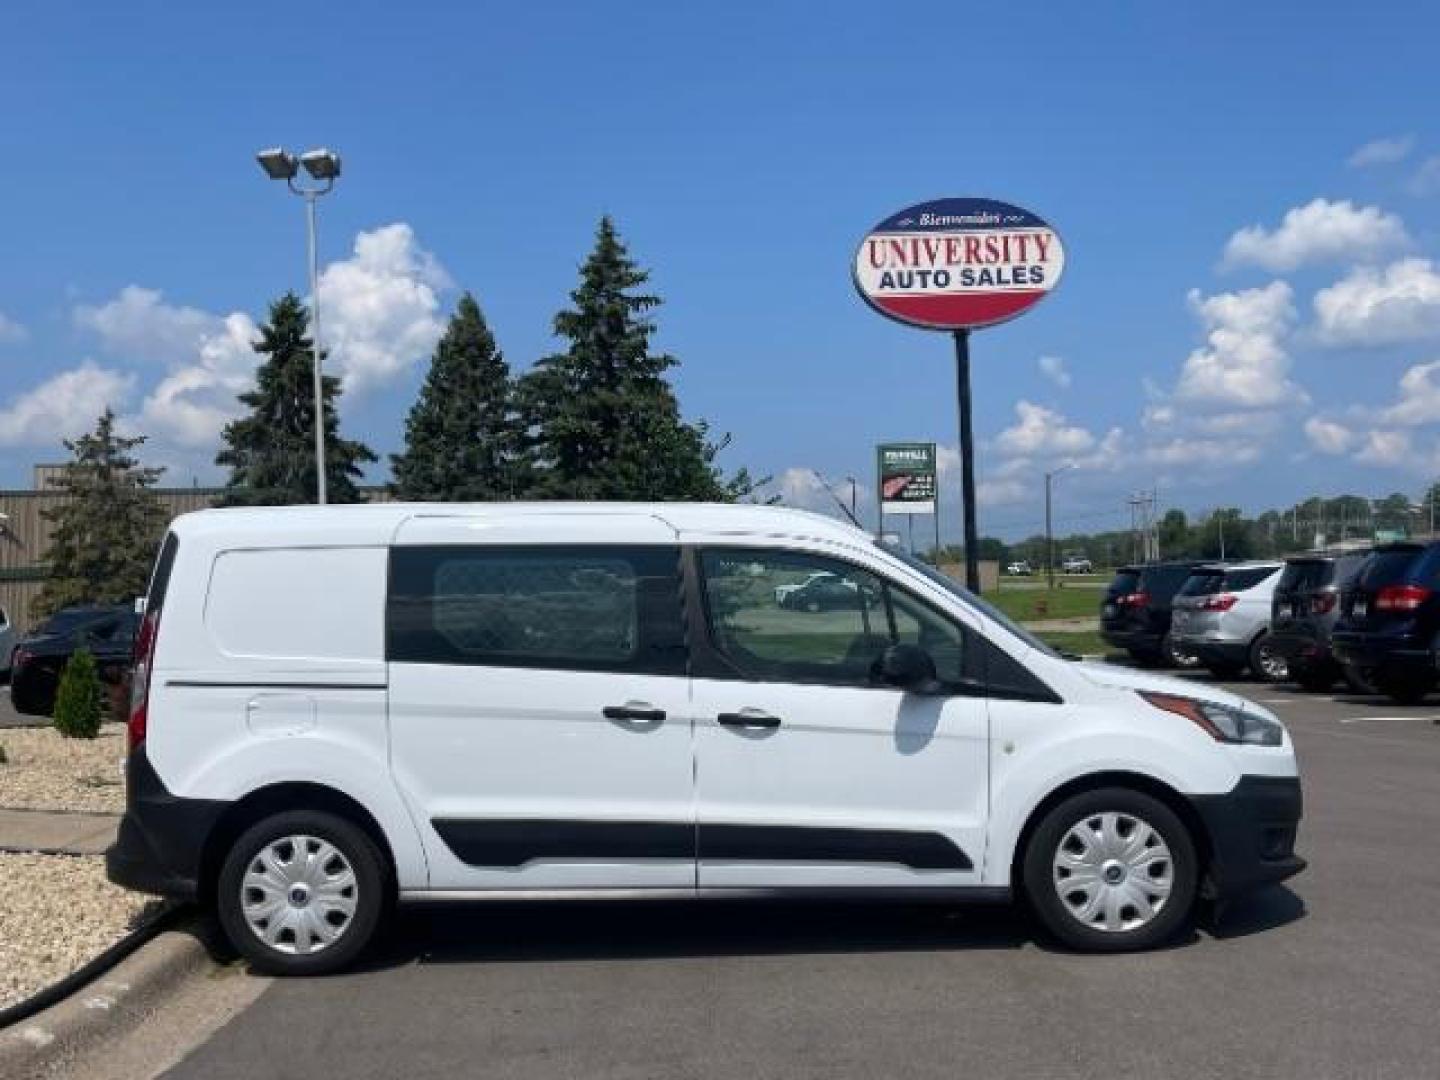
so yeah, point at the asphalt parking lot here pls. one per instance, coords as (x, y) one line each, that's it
(1337, 975)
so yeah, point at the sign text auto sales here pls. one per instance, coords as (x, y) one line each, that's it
(990, 260)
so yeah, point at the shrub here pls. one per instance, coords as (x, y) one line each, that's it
(78, 709)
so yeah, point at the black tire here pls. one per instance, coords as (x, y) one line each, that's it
(1405, 689)
(1045, 896)
(1175, 657)
(373, 889)
(1044, 893)
(1359, 681)
(1144, 657)
(1265, 664)
(812, 606)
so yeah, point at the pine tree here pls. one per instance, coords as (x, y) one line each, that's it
(271, 452)
(602, 419)
(105, 532)
(462, 438)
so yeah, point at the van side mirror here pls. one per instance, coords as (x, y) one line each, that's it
(907, 667)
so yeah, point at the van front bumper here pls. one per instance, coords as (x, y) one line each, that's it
(1252, 830)
(160, 846)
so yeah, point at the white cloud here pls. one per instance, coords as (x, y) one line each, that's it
(1185, 451)
(1387, 151)
(1042, 432)
(63, 406)
(1387, 448)
(1329, 436)
(1244, 363)
(190, 405)
(1003, 491)
(1053, 368)
(1419, 397)
(379, 309)
(1371, 306)
(139, 325)
(1426, 178)
(11, 331)
(1320, 231)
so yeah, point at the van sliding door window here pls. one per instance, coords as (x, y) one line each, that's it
(574, 607)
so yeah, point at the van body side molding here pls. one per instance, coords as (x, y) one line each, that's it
(514, 842)
(254, 685)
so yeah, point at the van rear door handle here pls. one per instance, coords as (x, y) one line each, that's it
(749, 718)
(635, 713)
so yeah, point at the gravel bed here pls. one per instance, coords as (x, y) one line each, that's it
(56, 913)
(47, 772)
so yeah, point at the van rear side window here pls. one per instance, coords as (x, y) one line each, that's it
(582, 608)
(298, 603)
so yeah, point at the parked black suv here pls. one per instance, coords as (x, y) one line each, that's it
(1135, 613)
(109, 634)
(1303, 613)
(1389, 625)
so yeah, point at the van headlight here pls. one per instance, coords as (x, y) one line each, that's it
(1223, 723)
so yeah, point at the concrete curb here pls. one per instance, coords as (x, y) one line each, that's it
(102, 1007)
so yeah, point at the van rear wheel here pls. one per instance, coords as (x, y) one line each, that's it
(1111, 870)
(301, 893)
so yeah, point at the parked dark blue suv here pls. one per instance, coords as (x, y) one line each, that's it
(1389, 628)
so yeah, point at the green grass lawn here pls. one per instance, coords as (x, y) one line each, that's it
(1083, 642)
(1028, 605)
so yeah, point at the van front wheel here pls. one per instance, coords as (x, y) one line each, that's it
(301, 893)
(1111, 870)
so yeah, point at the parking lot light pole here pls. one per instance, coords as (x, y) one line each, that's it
(322, 165)
(1049, 535)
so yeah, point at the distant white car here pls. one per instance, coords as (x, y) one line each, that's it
(1076, 564)
(782, 592)
(1019, 569)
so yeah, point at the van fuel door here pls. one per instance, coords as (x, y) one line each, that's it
(280, 714)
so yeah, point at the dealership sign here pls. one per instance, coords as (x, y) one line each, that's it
(907, 478)
(958, 264)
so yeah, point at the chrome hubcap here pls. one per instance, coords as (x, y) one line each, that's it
(299, 895)
(1113, 872)
(1272, 665)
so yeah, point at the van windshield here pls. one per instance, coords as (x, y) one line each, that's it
(965, 596)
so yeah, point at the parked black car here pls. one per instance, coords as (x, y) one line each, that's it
(109, 634)
(1303, 614)
(1136, 611)
(1389, 626)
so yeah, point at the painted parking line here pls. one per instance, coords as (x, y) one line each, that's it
(1384, 719)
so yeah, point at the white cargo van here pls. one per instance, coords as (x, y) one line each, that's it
(337, 708)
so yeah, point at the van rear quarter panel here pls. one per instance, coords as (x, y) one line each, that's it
(270, 668)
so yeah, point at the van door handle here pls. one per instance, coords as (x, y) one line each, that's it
(749, 718)
(637, 713)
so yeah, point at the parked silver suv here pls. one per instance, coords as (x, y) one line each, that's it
(1222, 616)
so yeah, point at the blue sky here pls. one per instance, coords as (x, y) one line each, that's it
(1249, 314)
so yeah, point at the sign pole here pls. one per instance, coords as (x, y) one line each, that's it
(967, 460)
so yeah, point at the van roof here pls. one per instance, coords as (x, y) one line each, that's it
(376, 523)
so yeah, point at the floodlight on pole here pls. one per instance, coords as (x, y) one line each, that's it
(323, 165)
(278, 163)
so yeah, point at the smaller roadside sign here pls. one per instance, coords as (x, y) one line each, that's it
(907, 478)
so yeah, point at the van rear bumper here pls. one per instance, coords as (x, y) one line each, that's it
(161, 843)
